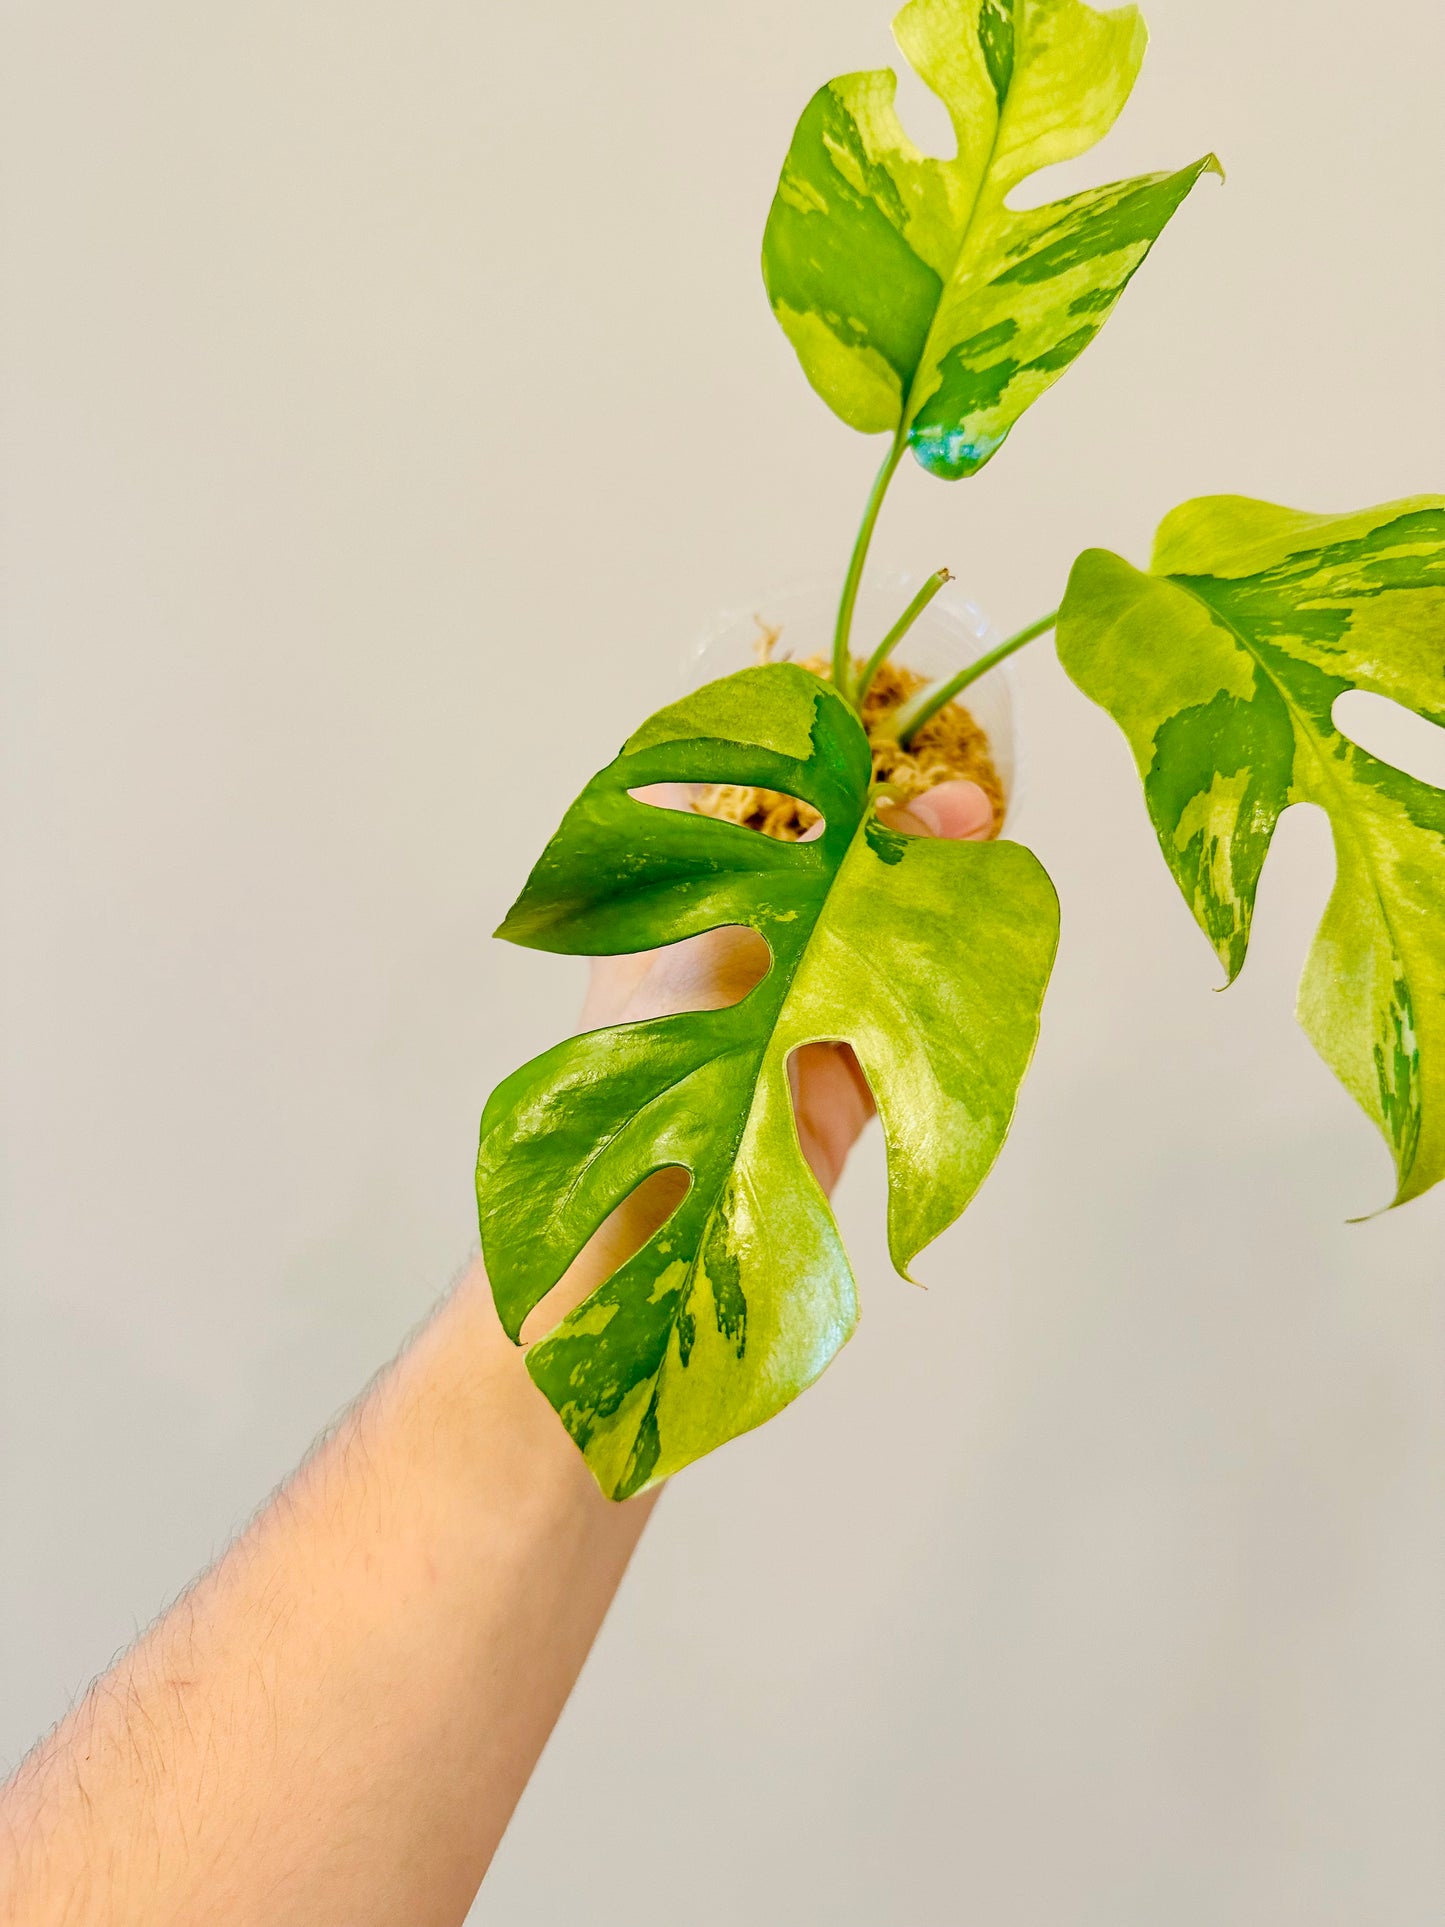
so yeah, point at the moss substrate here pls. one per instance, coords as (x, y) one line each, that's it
(949, 746)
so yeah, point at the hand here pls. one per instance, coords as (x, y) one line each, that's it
(335, 1722)
(830, 1095)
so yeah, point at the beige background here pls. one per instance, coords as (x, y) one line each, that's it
(389, 395)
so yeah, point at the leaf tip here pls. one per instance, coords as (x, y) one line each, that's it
(1232, 969)
(901, 1261)
(1384, 1210)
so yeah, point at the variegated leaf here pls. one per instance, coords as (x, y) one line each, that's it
(930, 958)
(1222, 666)
(916, 299)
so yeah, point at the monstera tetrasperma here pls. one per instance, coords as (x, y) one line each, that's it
(917, 300)
(1222, 665)
(921, 304)
(929, 958)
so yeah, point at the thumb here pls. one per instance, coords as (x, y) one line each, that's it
(957, 810)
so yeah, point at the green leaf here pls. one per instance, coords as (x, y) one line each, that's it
(916, 299)
(930, 958)
(1222, 667)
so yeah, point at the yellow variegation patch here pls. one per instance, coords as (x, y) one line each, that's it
(1212, 818)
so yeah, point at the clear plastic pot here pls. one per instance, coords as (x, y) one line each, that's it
(951, 633)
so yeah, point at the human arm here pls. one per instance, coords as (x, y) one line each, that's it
(335, 1722)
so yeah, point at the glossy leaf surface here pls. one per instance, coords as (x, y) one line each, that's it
(916, 299)
(930, 958)
(1223, 665)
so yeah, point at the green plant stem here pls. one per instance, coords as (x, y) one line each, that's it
(899, 630)
(842, 663)
(910, 717)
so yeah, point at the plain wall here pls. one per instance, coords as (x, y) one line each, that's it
(389, 395)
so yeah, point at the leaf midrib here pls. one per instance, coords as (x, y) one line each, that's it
(910, 409)
(729, 1165)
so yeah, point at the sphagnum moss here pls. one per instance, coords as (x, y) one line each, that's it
(950, 746)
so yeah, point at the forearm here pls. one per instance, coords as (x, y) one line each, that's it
(336, 1722)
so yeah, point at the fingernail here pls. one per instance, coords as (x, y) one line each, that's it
(928, 814)
(957, 809)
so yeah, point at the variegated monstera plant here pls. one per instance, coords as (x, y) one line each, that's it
(924, 308)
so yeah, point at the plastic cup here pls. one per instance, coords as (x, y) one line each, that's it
(951, 633)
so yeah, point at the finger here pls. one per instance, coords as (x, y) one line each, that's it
(706, 972)
(667, 796)
(611, 984)
(959, 811)
(831, 1104)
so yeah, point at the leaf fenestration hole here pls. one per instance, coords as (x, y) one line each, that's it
(620, 1236)
(773, 813)
(711, 971)
(1392, 734)
(923, 115)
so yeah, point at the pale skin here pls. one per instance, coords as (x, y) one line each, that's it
(334, 1723)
